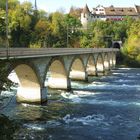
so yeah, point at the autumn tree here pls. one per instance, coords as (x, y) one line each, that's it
(132, 45)
(42, 31)
(19, 24)
(75, 12)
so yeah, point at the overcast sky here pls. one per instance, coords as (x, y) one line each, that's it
(53, 5)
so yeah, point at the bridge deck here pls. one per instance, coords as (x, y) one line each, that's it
(42, 52)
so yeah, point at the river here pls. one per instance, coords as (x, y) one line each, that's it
(106, 108)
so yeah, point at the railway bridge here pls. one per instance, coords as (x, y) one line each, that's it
(63, 65)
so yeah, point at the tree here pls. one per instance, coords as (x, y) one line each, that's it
(95, 34)
(19, 24)
(58, 30)
(73, 26)
(2, 28)
(75, 12)
(11, 4)
(132, 45)
(43, 31)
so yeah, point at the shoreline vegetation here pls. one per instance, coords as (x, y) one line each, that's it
(125, 61)
(33, 28)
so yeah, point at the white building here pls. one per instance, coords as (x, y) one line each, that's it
(108, 13)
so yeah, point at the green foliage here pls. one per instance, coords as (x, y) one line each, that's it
(103, 32)
(31, 28)
(2, 27)
(73, 25)
(36, 28)
(75, 12)
(42, 30)
(96, 33)
(85, 42)
(131, 47)
(57, 23)
(11, 3)
(19, 24)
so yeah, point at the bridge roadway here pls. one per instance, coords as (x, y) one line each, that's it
(63, 65)
(41, 52)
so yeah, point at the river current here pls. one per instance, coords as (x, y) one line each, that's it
(105, 108)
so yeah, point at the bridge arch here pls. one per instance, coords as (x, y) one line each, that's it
(29, 89)
(100, 64)
(91, 66)
(56, 74)
(77, 69)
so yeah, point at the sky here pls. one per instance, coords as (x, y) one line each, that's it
(54, 5)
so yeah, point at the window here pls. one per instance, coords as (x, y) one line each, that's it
(101, 9)
(130, 10)
(121, 10)
(112, 10)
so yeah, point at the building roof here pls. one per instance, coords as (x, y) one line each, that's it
(120, 11)
(86, 10)
(137, 8)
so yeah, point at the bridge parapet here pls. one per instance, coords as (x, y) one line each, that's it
(29, 52)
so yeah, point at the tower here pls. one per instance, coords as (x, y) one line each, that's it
(85, 16)
(35, 5)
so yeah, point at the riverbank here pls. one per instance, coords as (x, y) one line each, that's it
(125, 61)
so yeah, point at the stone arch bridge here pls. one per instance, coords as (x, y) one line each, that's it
(62, 64)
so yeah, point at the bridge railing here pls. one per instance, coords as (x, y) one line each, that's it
(38, 52)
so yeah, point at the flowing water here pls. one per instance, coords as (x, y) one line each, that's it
(106, 108)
